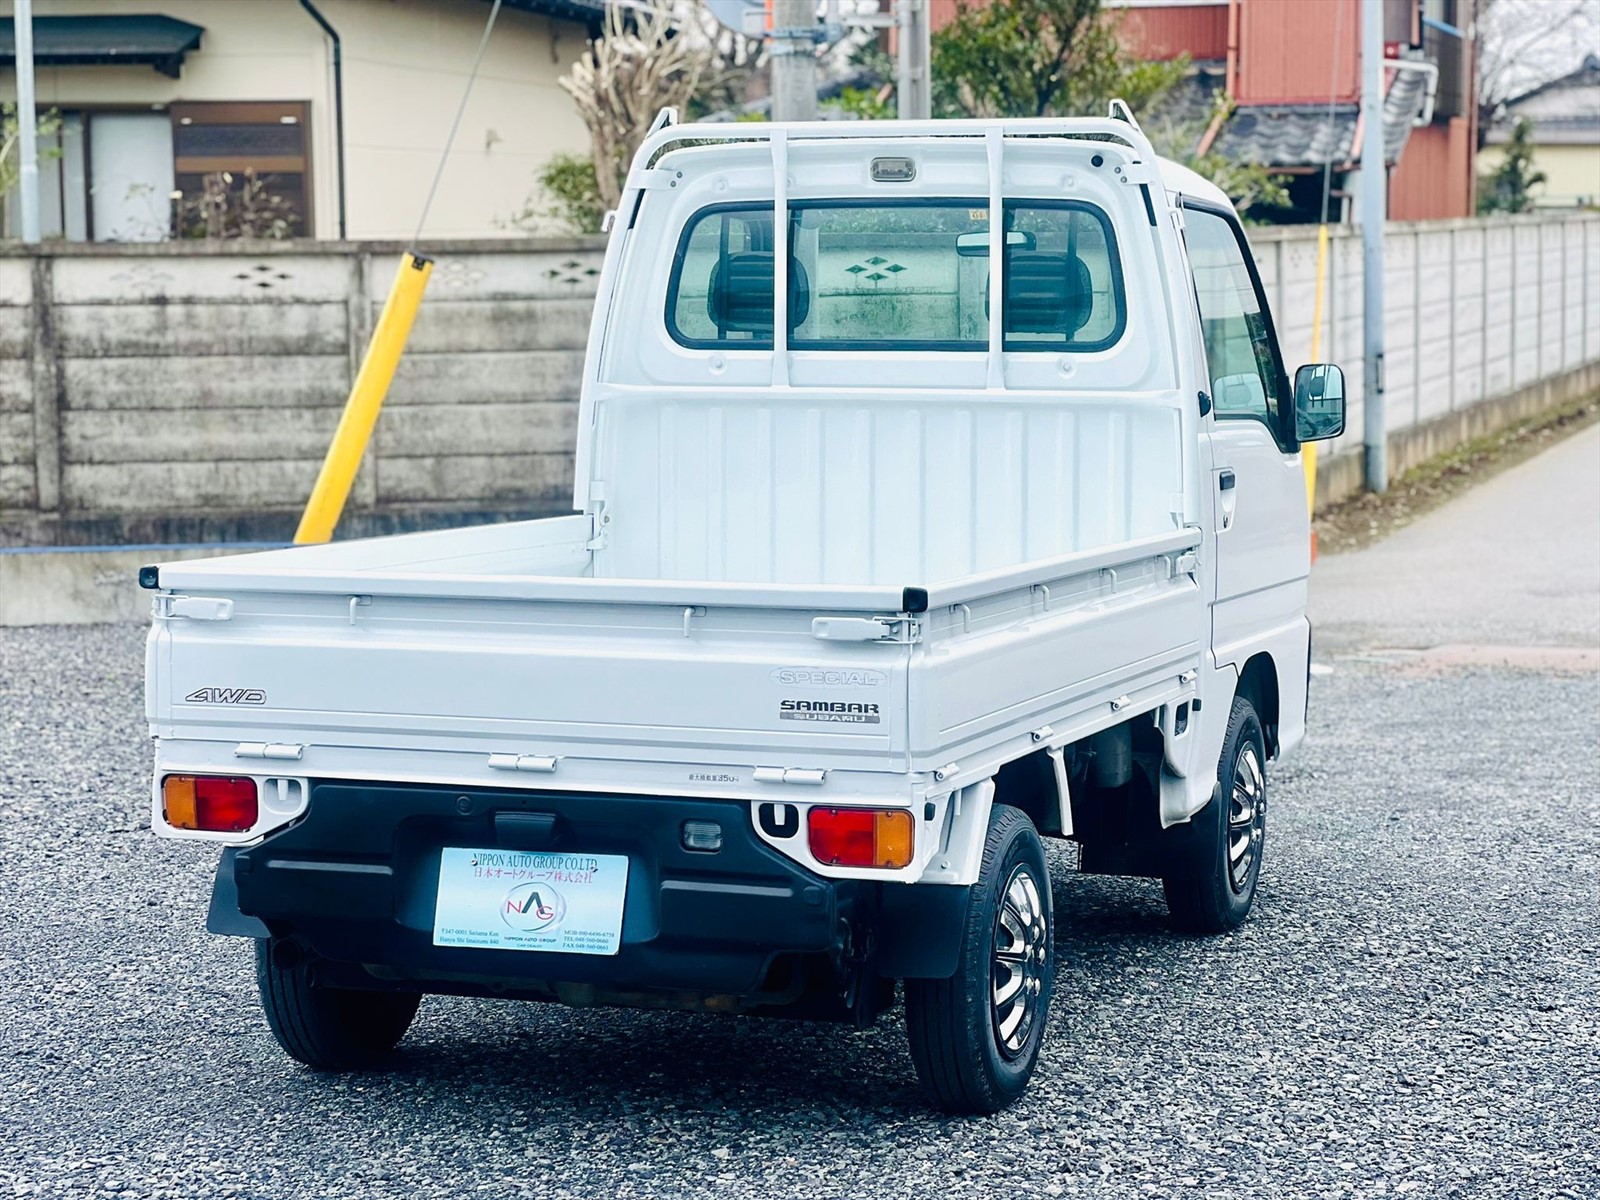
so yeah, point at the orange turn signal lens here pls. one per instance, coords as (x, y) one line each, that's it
(177, 801)
(213, 803)
(861, 837)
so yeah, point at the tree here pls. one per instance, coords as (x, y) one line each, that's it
(1520, 44)
(1039, 58)
(1249, 185)
(1507, 188)
(646, 59)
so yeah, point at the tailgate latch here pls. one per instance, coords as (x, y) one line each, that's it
(865, 629)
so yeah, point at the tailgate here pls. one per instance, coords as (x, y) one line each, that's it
(348, 677)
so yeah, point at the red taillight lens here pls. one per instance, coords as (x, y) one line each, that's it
(860, 837)
(214, 803)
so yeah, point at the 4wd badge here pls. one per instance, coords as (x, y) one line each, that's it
(215, 695)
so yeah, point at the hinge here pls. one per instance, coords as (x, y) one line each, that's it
(539, 764)
(196, 608)
(281, 750)
(903, 630)
(599, 519)
(805, 776)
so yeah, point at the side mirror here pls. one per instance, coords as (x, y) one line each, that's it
(1318, 402)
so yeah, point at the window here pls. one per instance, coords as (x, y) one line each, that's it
(105, 176)
(111, 176)
(713, 300)
(1063, 280)
(903, 276)
(270, 139)
(1246, 376)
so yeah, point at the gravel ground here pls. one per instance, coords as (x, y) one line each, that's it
(1414, 1008)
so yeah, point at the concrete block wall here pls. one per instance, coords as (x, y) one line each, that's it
(1481, 313)
(186, 392)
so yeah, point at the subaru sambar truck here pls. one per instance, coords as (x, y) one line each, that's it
(970, 515)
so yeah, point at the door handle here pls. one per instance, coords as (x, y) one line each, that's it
(1227, 498)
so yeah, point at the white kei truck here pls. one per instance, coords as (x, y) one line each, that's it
(973, 516)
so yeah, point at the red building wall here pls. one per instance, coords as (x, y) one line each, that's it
(1166, 31)
(1296, 51)
(1160, 31)
(1433, 178)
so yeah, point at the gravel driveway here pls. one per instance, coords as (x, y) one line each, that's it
(1414, 1009)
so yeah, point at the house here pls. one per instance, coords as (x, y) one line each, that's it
(1293, 71)
(1565, 114)
(341, 106)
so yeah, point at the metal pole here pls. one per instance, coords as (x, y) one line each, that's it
(794, 60)
(1374, 211)
(27, 124)
(913, 78)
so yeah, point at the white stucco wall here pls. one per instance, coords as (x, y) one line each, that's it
(405, 64)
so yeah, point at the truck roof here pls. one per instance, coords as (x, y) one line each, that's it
(1176, 177)
(666, 135)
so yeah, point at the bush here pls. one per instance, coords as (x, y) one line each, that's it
(568, 195)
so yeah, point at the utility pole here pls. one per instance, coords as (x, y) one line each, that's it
(27, 124)
(1374, 211)
(913, 79)
(794, 60)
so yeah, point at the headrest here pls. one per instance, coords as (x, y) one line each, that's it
(1046, 292)
(740, 298)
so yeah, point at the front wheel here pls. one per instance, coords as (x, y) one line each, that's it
(975, 1037)
(327, 1028)
(1213, 892)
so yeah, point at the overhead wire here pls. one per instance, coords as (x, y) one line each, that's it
(455, 125)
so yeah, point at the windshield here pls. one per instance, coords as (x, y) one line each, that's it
(903, 276)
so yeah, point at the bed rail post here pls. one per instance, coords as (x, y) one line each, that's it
(993, 144)
(780, 258)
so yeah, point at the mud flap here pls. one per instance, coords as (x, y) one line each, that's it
(224, 916)
(919, 930)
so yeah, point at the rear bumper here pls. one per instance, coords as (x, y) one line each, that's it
(353, 883)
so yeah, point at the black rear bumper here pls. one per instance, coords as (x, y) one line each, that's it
(353, 884)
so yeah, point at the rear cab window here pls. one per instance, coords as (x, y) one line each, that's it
(900, 275)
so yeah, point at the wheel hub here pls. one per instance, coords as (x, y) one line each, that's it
(1247, 817)
(1021, 958)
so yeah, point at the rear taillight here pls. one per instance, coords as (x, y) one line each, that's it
(860, 837)
(213, 803)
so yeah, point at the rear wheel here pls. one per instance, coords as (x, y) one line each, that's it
(329, 1029)
(1213, 892)
(975, 1037)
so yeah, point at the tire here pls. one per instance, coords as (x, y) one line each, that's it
(328, 1029)
(972, 1054)
(1213, 893)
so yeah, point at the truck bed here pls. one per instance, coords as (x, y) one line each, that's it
(489, 656)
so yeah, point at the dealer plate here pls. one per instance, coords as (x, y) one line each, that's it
(530, 900)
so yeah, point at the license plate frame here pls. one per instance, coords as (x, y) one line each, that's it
(530, 900)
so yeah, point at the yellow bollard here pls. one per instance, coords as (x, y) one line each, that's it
(1308, 452)
(366, 399)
